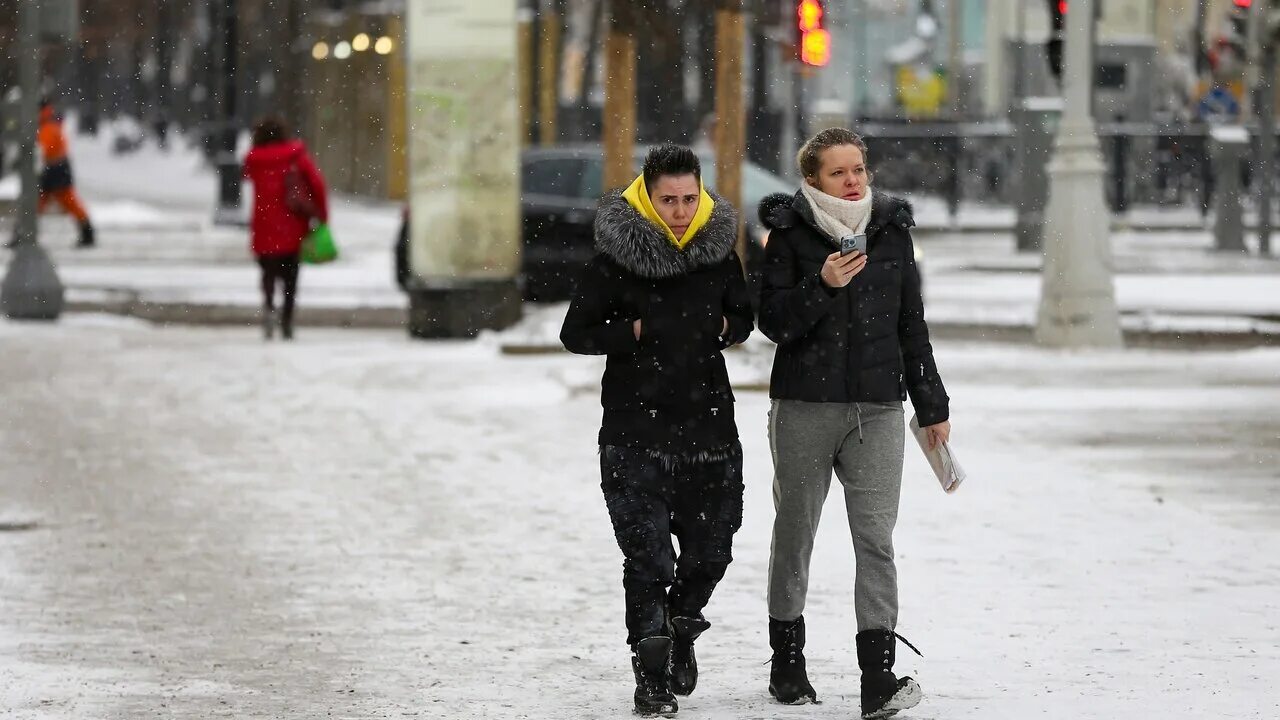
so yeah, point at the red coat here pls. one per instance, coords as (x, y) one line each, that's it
(273, 228)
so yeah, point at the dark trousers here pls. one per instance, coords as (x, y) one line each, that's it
(282, 270)
(650, 498)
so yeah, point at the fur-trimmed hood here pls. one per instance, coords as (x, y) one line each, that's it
(780, 210)
(635, 243)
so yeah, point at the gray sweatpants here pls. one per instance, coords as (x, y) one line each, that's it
(863, 443)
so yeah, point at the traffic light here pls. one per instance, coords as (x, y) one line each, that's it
(814, 41)
(1239, 18)
(1058, 20)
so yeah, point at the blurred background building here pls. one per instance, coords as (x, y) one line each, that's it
(337, 70)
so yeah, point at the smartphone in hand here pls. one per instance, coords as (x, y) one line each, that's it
(853, 243)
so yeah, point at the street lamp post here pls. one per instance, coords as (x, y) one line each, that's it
(1077, 301)
(228, 209)
(31, 289)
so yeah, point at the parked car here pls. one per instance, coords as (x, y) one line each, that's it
(559, 190)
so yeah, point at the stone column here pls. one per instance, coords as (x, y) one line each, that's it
(464, 155)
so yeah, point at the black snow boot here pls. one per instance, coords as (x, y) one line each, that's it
(87, 239)
(883, 693)
(788, 679)
(651, 660)
(684, 666)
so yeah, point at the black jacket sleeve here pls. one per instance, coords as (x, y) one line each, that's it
(591, 328)
(791, 301)
(737, 304)
(928, 396)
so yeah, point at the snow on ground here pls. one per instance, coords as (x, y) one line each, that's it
(357, 525)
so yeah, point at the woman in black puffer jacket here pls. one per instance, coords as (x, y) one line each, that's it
(662, 299)
(852, 345)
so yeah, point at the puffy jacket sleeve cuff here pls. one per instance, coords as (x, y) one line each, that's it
(927, 416)
(618, 337)
(601, 339)
(820, 291)
(739, 331)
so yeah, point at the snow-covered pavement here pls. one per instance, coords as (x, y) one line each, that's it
(160, 257)
(153, 211)
(356, 525)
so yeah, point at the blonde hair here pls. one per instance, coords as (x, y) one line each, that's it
(809, 159)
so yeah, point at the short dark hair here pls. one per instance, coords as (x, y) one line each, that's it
(670, 159)
(269, 130)
(810, 156)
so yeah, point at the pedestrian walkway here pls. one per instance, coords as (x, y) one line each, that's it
(194, 524)
(160, 258)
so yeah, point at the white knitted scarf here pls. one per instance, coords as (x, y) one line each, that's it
(835, 216)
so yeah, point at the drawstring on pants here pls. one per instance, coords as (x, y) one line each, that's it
(858, 407)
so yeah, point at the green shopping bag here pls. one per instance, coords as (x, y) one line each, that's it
(318, 247)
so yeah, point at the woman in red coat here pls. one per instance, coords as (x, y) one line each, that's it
(276, 230)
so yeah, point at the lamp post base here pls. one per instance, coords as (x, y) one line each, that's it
(31, 289)
(1077, 300)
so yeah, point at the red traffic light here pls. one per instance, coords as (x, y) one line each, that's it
(1243, 4)
(815, 48)
(809, 14)
(815, 41)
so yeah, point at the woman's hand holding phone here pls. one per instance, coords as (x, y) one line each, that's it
(839, 269)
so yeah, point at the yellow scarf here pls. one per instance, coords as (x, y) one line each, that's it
(638, 196)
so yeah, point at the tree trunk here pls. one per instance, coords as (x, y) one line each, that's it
(730, 110)
(620, 95)
(664, 114)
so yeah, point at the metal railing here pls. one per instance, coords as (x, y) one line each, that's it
(1147, 165)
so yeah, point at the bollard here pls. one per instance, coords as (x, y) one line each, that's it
(1206, 179)
(1120, 163)
(954, 188)
(1035, 123)
(1229, 144)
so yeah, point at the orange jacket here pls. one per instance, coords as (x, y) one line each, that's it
(53, 144)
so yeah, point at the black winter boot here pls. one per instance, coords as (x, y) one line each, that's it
(651, 659)
(883, 693)
(87, 238)
(788, 679)
(684, 666)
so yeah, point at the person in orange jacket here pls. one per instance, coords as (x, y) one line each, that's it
(56, 181)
